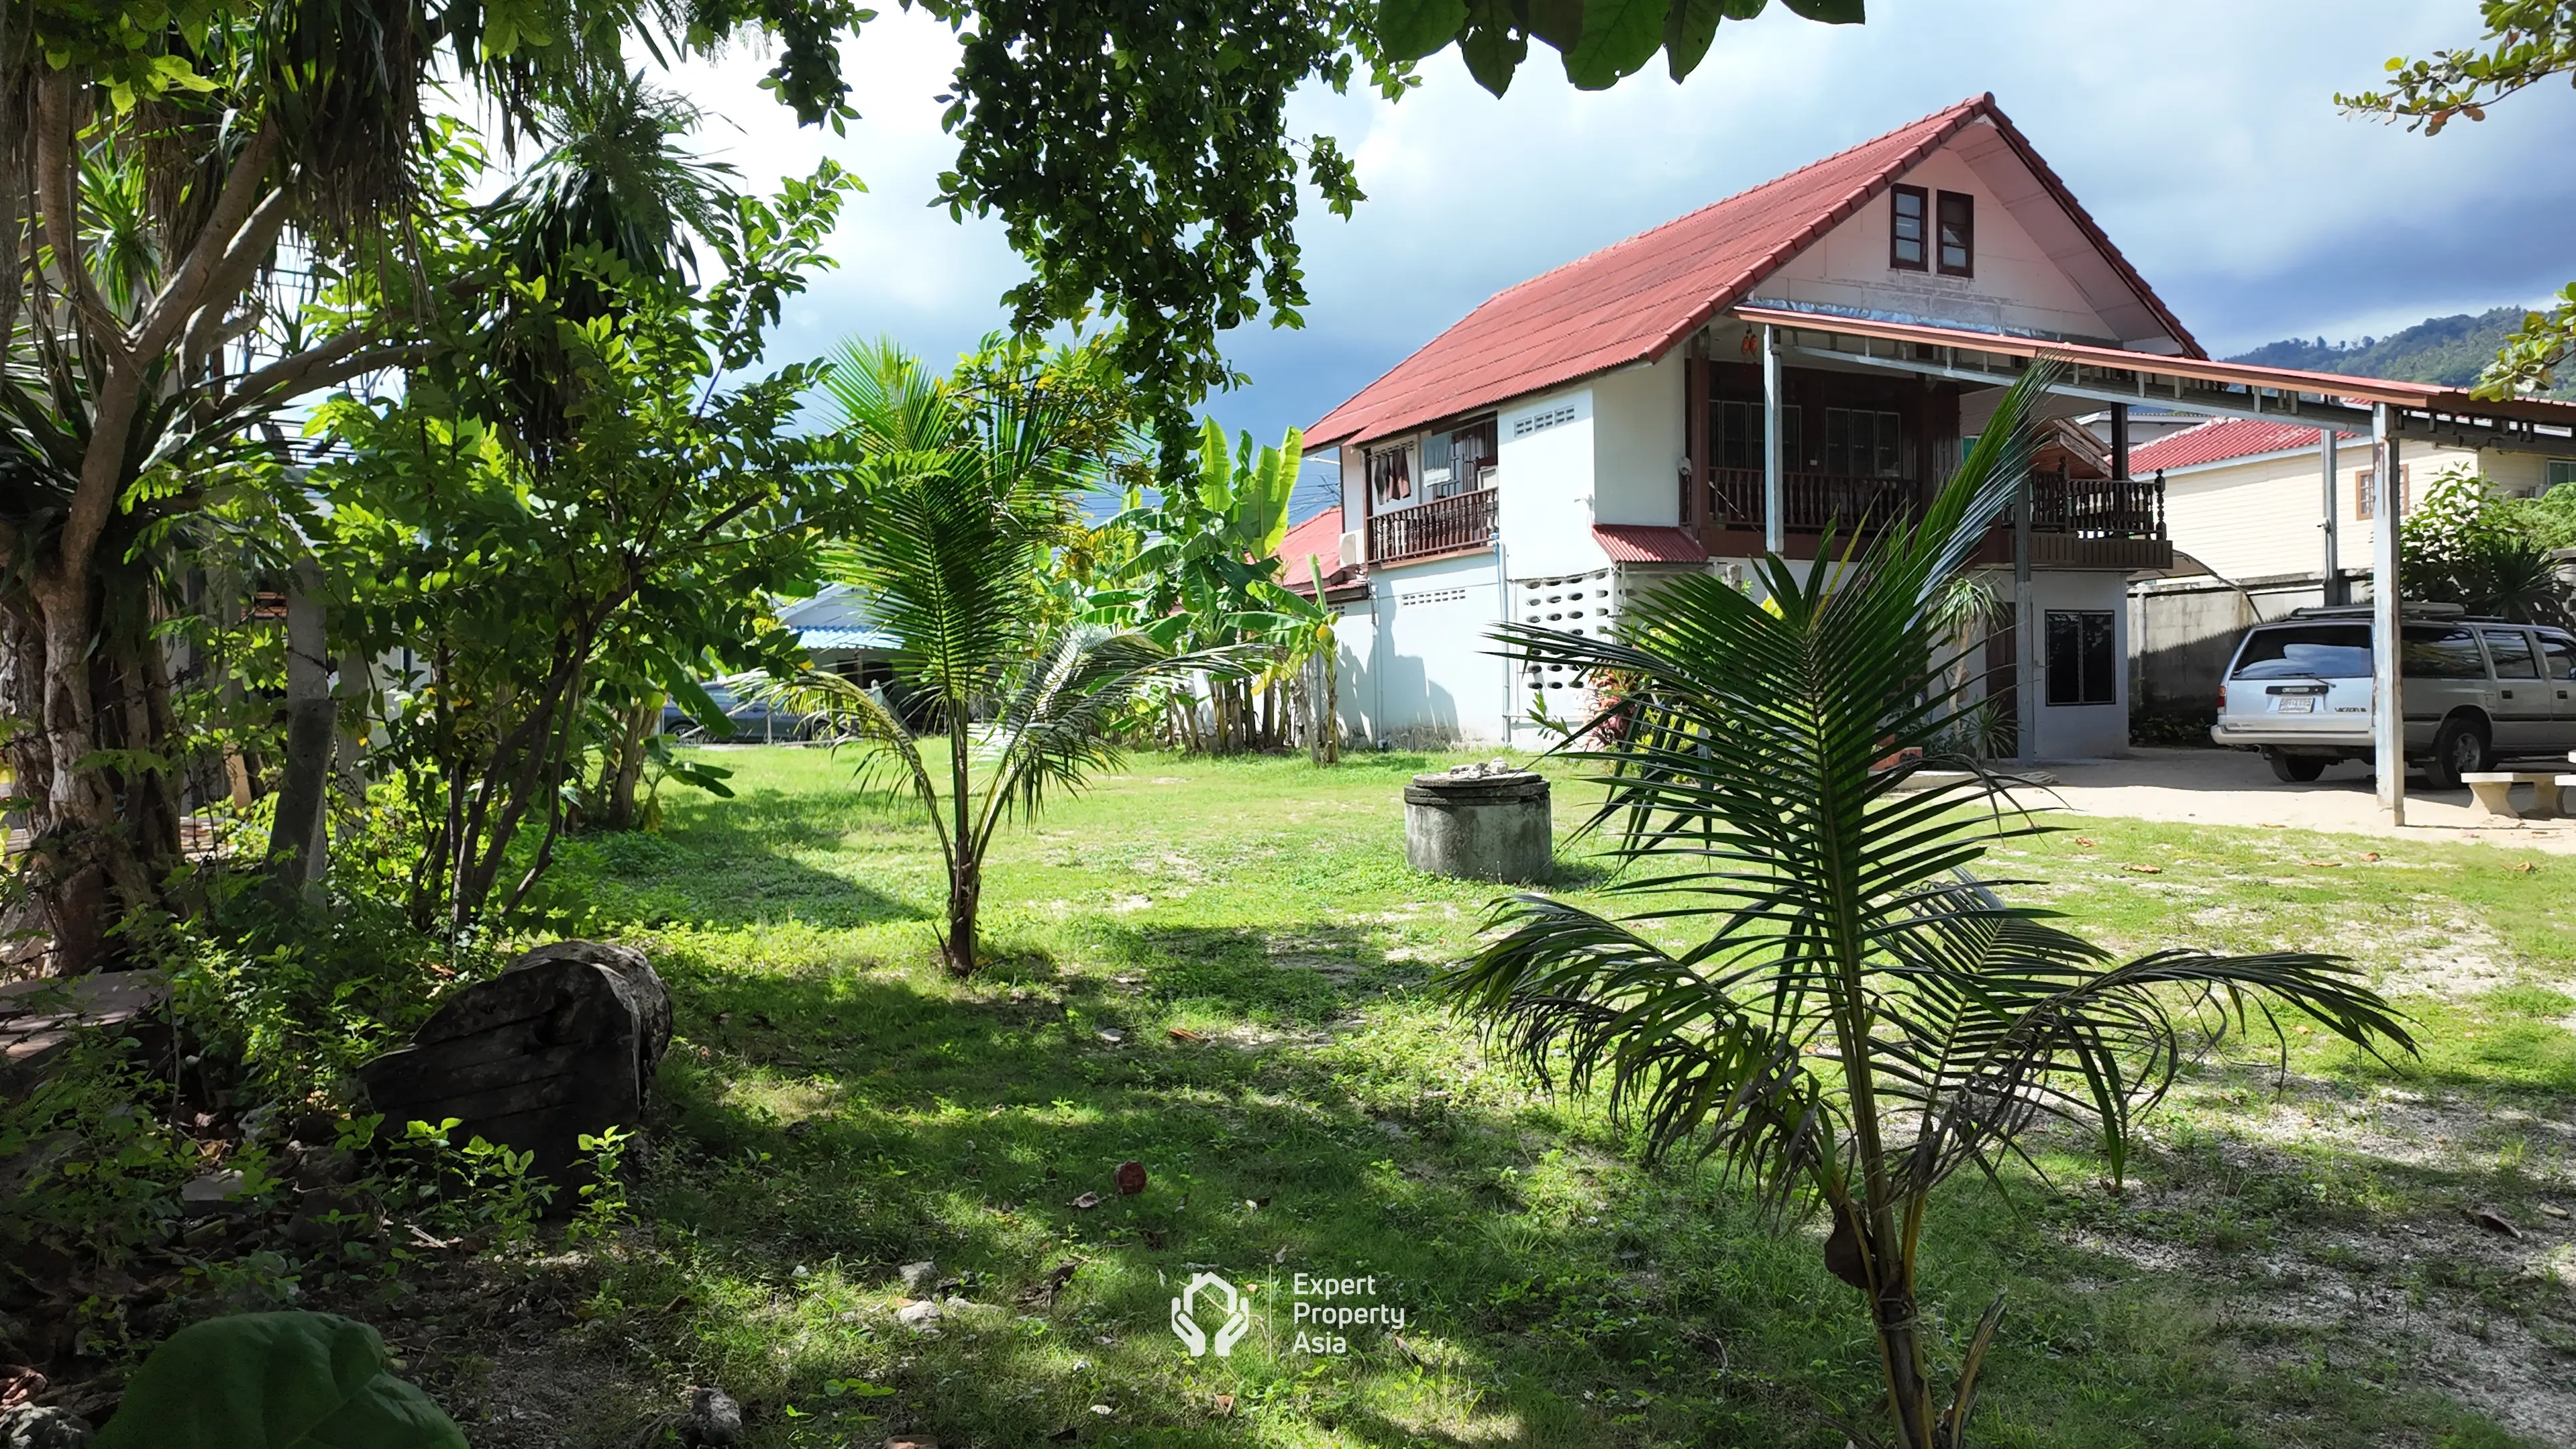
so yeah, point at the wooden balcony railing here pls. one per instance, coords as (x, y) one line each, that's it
(2098, 507)
(2084, 507)
(1815, 499)
(1443, 525)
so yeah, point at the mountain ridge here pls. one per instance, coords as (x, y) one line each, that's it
(2447, 351)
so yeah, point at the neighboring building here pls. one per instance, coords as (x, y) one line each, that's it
(2247, 504)
(1598, 429)
(2146, 424)
(2247, 500)
(840, 633)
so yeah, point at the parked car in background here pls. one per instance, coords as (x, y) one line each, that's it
(2476, 691)
(752, 719)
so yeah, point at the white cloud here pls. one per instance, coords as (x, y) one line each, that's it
(2201, 133)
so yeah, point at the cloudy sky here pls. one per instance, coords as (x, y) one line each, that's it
(2200, 133)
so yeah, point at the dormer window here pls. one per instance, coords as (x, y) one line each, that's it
(1958, 234)
(1909, 229)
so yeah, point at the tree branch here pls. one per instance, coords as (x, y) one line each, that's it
(190, 281)
(233, 276)
(58, 185)
(351, 354)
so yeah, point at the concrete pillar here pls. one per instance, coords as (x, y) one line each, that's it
(1775, 492)
(2387, 680)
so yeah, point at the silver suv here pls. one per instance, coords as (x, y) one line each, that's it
(2476, 690)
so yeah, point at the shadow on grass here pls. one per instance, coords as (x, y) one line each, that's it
(819, 1128)
(746, 863)
(866, 1122)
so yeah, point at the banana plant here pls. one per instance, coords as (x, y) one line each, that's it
(1808, 980)
(1208, 578)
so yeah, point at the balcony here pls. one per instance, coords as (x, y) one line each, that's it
(1454, 524)
(2074, 522)
(1815, 500)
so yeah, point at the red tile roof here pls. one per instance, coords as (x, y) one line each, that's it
(1648, 543)
(1319, 537)
(2218, 441)
(1641, 297)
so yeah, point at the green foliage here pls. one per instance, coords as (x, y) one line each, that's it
(603, 1207)
(2454, 351)
(477, 1189)
(275, 1381)
(1137, 152)
(1852, 1017)
(90, 1171)
(578, 497)
(2550, 519)
(969, 486)
(294, 996)
(2464, 545)
(2526, 43)
(1204, 574)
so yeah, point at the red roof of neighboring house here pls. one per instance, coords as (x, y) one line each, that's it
(2220, 440)
(1641, 297)
(1319, 537)
(1648, 543)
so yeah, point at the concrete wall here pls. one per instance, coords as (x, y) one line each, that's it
(2017, 287)
(1638, 442)
(1417, 666)
(2182, 632)
(1545, 476)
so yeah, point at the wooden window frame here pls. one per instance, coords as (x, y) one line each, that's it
(1923, 223)
(1967, 234)
(2361, 500)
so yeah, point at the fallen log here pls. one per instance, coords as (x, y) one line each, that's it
(563, 1042)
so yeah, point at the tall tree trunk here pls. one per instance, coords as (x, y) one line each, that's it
(966, 857)
(630, 763)
(1332, 702)
(298, 850)
(86, 674)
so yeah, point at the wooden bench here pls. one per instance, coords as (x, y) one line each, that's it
(2493, 790)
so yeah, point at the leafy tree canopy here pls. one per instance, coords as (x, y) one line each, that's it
(1182, 226)
(2526, 42)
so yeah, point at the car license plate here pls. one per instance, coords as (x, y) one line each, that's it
(2298, 704)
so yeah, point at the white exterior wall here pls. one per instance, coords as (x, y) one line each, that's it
(1417, 665)
(2016, 286)
(2079, 731)
(1638, 439)
(2255, 518)
(1545, 479)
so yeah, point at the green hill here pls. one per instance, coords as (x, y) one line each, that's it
(2450, 351)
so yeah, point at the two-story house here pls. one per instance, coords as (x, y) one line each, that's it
(1813, 352)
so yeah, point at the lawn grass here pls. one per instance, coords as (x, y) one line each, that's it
(1218, 969)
